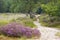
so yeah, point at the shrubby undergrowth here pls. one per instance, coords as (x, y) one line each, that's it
(48, 21)
(18, 30)
(3, 22)
(26, 21)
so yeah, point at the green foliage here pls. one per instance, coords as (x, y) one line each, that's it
(29, 23)
(25, 21)
(17, 6)
(48, 21)
(51, 9)
(3, 22)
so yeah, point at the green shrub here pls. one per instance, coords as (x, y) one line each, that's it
(25, 21)
(3, 22)
(13, 20)
(29, 23)
(45, 20)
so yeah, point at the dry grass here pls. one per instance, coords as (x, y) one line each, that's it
(2, 37)
(58, 34)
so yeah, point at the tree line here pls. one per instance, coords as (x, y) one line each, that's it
(50, 7)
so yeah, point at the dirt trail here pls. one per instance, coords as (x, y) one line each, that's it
(46, 32)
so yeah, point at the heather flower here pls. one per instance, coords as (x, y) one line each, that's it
(36, 33)
(17, 30)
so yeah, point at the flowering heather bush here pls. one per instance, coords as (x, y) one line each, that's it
(36, 33)
(18, 30)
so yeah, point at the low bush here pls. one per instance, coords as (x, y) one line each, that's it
(45, 20)
(17, 30)
(25, 21)
(30, 24)
(3, 22)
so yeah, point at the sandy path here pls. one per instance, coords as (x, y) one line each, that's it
(46, 32)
